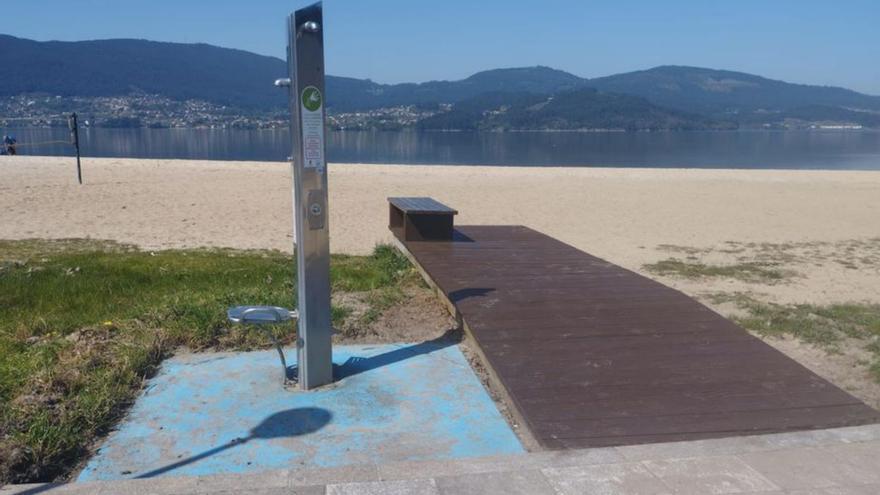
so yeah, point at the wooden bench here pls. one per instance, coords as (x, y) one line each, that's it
(420, 219)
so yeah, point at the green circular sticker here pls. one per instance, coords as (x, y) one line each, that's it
(311, 98)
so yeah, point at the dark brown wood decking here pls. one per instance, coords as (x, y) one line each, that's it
(591, 354)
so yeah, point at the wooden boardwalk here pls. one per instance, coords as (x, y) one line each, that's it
(591, 354)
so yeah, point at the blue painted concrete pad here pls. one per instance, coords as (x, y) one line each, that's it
(227, 413)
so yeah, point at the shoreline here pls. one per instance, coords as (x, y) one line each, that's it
(616, 168)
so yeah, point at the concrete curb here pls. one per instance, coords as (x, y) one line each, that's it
(675, 464)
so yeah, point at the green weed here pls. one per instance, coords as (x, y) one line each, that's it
(747, 271)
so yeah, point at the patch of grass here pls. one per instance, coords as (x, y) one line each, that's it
(690, 250)
(852, 254)
(384, 268)
(379, 301)
(747, 271)
(801, 321)
(384, 279)
(875, 365)
(83, 323)
(823, 326)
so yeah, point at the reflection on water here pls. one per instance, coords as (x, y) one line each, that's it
(735, 149)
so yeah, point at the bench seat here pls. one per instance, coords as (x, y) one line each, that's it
(420, 219)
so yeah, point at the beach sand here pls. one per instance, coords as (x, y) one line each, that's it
(628, 216)
(820, 228)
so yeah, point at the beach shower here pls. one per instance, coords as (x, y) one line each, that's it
(305, 87)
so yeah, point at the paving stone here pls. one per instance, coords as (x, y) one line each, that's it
(184, 486)
(696, 448)
(537, 460)
(819, 438)
(853, 490)
(268, 479)
(423, 469)
(492, 463)
(810, 438)
(324, 476)
(865, 433)
(399, 487)
(844, 461)
(710, 475)
(307, 490)
(807, 468)
(53, 488)
(565, 458)
(29, 488)
(861, 457)
(600, 479)
(817, 491)
(529, 482)
(298, 490)
(150, 486)
(408, 470)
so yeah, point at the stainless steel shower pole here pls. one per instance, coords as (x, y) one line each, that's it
(305, 61)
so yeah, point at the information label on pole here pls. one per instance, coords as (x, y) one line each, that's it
(312, 127)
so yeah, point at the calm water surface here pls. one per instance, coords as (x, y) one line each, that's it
(820, 149)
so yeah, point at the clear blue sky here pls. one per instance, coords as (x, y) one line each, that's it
(808, 41)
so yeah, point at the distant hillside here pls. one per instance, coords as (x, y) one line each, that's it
(243, 80)
(346, 94)
(120, 67)
(579, 109)
(225, 76)
(719, 91)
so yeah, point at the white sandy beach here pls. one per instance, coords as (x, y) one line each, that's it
(628, 216)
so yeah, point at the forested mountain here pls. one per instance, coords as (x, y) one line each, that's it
(119, 67)
(224, 76)
(662, 97)
(719, 91)
(579, 109)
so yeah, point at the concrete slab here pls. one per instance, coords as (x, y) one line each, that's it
(304, 490)
(695, 448)
(215, 413)
(616, 479)
(528, 482)
(564, 458)
(323, 476)
(710, 475)
(403, 487)
(416, 469)
(861, 456)
(810, 468)
(219, 482)
(865, 433)
(851, 490)
(533, 461)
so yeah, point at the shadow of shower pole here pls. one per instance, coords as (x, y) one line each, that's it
(289, 423)
(357, 365)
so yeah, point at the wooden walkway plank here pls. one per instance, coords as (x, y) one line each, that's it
(591, 354)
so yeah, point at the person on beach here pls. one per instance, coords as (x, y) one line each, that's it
(9, 144)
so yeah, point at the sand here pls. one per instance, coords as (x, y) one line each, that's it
(628, 216)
